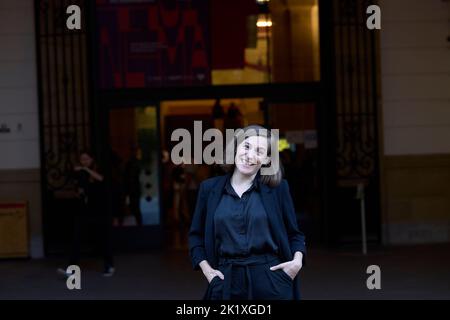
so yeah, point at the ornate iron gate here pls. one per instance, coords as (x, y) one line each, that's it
(357, 158)
(64, 107)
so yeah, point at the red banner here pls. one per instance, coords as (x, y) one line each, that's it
(153, 43)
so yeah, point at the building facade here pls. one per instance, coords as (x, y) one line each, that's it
(356, 108)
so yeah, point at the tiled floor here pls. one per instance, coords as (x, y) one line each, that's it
(420, 272)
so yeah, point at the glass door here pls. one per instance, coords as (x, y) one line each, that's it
(135, 174)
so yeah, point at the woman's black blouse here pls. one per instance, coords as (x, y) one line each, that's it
(241, 223)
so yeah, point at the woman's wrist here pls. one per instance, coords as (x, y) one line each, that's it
(298, 258)
(206, 268)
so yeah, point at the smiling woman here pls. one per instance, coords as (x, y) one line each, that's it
(244, 233)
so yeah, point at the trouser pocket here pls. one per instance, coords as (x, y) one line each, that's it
(214, 290)
(281, 277)
(285, 275)
(282, 285)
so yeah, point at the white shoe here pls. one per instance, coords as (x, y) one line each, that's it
(109, 272)
(63, 273)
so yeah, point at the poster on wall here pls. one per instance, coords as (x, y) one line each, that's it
(152, 43)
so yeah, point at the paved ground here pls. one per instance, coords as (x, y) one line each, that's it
(421, 272)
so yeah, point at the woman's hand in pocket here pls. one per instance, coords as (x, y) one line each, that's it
(291, 268)
(209, 272)
(210, 275)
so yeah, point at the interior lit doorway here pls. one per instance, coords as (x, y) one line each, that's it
(180, 183)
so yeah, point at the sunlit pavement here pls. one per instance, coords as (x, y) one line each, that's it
(414, 272)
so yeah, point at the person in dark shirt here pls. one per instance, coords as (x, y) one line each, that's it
(244, 234)
(93, 206)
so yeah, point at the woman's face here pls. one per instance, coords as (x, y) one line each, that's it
(86, 160)
(251, 154)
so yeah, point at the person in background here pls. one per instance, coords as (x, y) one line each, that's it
(180, 206)
(93, 207)
(191, 171)
(234, 118)
(117, 192)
